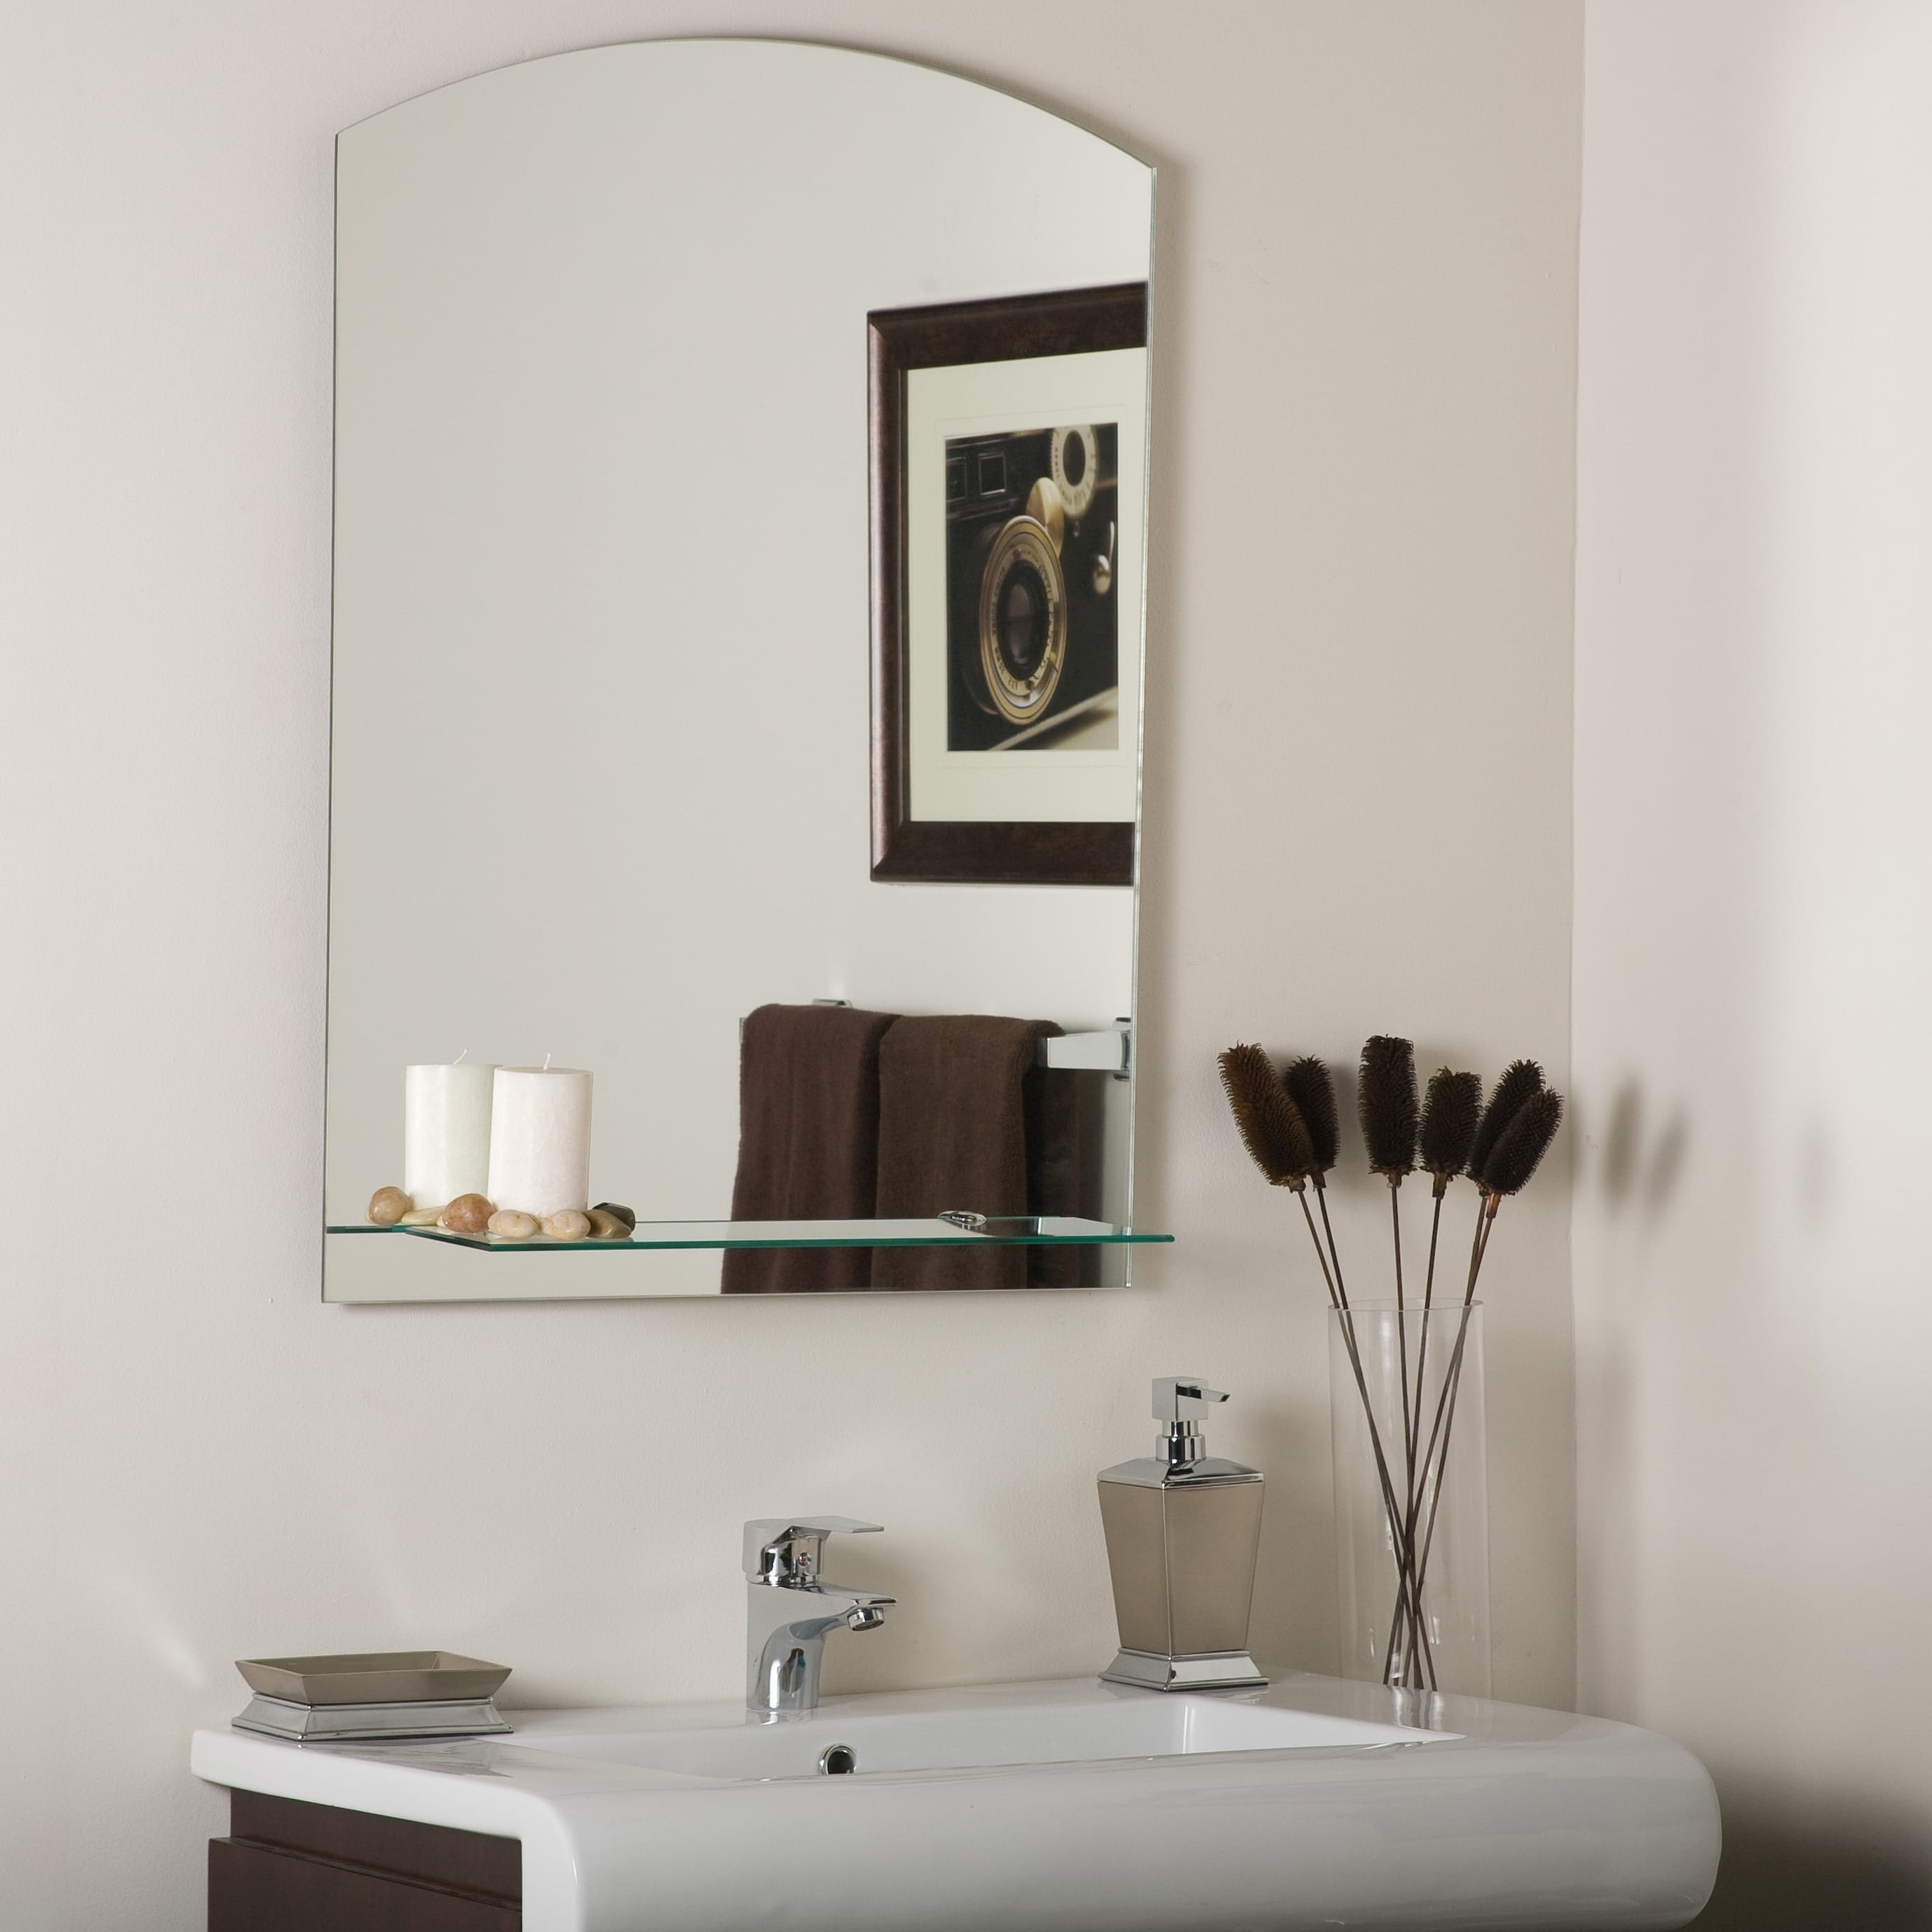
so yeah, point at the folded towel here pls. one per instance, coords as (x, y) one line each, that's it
(808, 1142)
(968, 1120)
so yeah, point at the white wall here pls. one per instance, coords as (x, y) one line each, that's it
(1754, 935)
(1358, 819)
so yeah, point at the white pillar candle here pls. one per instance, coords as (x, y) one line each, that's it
(445, 1131)
(540, 1139)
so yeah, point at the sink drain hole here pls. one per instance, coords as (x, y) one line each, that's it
(835, 1760)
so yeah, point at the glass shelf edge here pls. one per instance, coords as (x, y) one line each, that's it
(1112, 1237)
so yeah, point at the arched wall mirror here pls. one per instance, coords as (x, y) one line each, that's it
(739, 554)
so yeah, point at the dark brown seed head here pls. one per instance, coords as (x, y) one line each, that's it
(1520, 1080)
(1524, 1142)
(1312, 1088)
(1388, 1100)
(1271, 1126)
(1449, 1112)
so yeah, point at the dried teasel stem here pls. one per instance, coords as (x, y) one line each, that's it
(1401, 1522)
(1401, 1519)
(1428, 1303)
(1452, 1116)
(1328, 1228)
(1391, 1111)
(1451, 1388)
(1511, 1162)
(1500, 1144)
(1411, 1420)
(1401, 1328)
(1413, 1504)
(1422, 1376)
(1407, 1614)
(1445, 1412)
(1419, 1656)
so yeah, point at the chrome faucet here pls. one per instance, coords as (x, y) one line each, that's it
(792, 1610)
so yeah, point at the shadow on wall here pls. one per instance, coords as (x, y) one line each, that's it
(1782, 1875)
(1640, 1166)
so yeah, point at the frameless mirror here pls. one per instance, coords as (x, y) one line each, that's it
(739, 516)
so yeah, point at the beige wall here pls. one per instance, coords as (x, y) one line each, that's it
(1753, 934)
(1358, 799)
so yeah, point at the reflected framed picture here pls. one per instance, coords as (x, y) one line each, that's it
(1009, 442)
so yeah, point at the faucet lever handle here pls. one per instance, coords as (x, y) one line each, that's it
(788, 1550)
(1183, 1398)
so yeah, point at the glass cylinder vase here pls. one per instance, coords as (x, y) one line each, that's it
(1411, 1494)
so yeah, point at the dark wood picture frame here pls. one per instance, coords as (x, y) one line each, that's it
(1069, 322)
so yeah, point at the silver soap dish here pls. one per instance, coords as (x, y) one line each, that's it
(405, 1694)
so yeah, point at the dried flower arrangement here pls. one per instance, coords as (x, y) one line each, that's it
(1291, 1125)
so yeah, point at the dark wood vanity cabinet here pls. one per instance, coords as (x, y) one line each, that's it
(289, 1866)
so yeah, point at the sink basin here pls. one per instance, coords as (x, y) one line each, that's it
(1066, 1807)
(881, 1744)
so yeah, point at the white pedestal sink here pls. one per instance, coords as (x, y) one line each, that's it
(1068, 1807)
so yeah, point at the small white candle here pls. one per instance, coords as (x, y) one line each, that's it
(445, 1131)
(540, 1139)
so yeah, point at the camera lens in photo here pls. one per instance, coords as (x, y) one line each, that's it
(1032, 624)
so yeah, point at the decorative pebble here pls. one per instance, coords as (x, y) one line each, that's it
(388, 1205)
(513, 1224)
(621, 1213)
(467, 1214)
(422, 1217)
(606, 1226)
(568, 1224)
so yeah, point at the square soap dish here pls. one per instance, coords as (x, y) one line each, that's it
(371, 1695)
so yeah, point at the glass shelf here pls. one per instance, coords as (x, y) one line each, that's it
(1012, 1231)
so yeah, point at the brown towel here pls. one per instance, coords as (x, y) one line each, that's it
(808, 1142)
(967, 1119)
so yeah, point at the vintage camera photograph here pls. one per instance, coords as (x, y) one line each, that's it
(1008, 485)
(1032, 628)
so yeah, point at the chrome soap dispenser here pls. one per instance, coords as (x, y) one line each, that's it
(1182, 1531)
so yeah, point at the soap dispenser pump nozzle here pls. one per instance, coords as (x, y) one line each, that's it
(1179, 1403)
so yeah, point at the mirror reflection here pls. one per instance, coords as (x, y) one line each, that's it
(732, 822)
